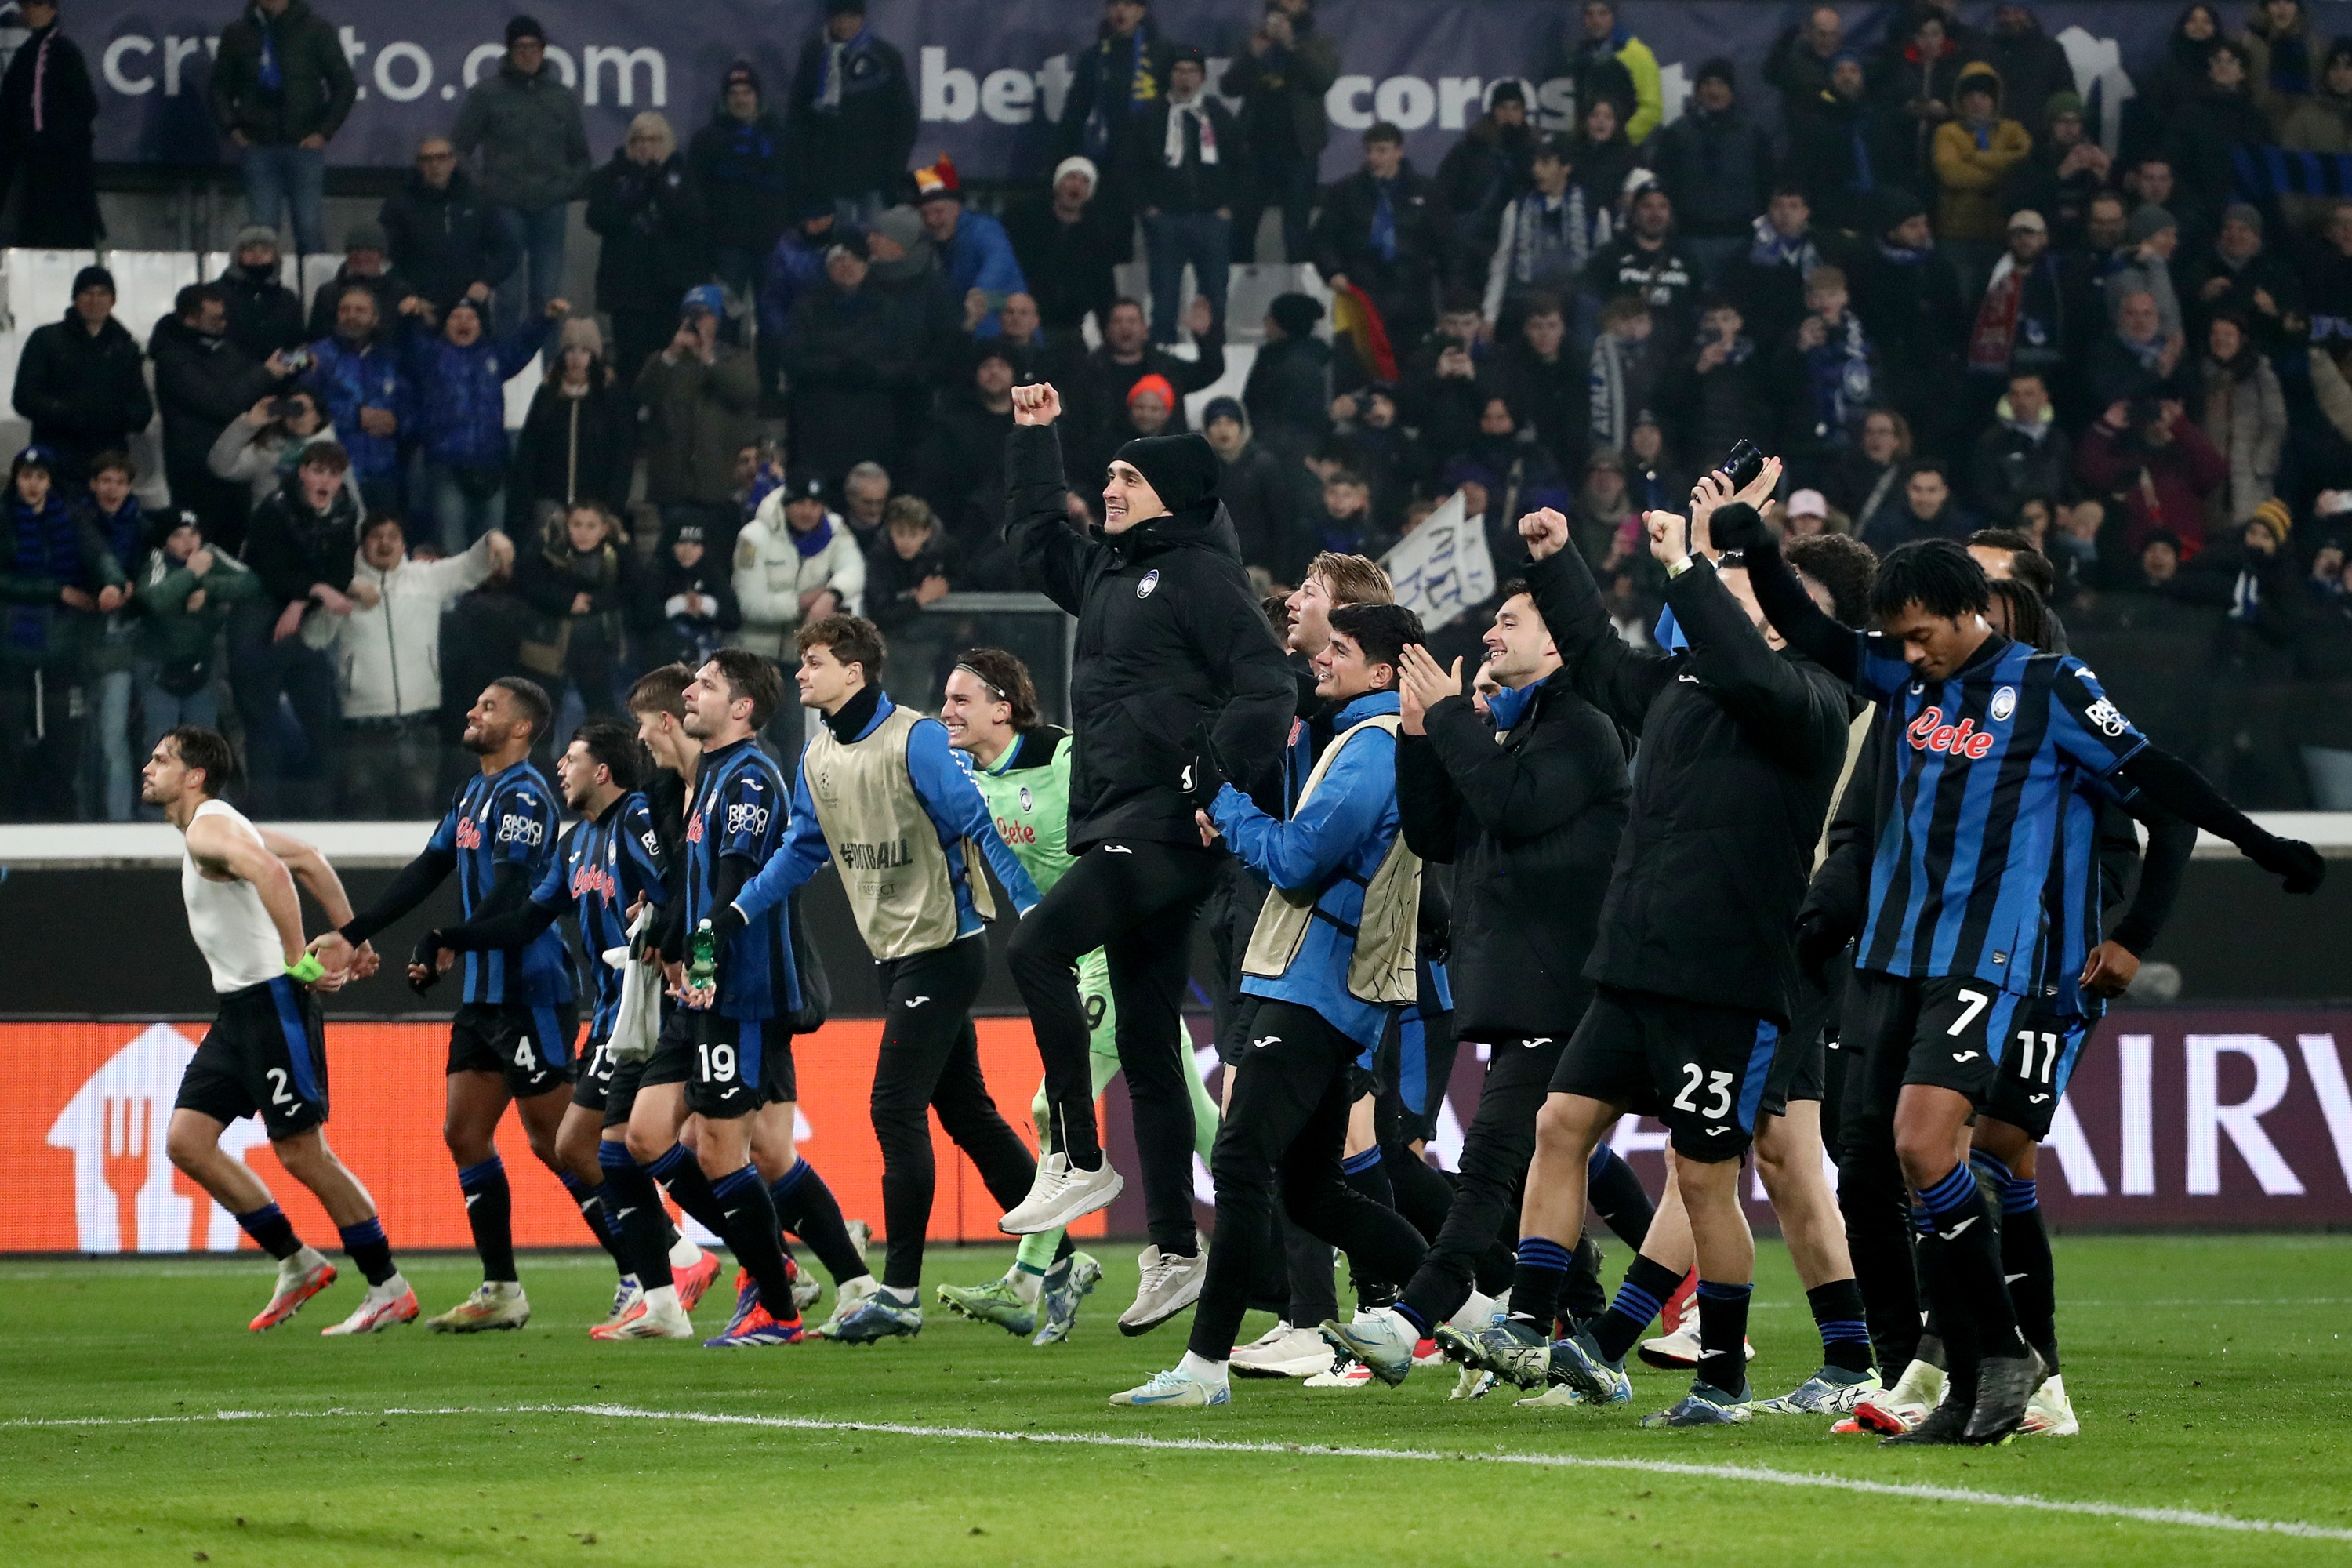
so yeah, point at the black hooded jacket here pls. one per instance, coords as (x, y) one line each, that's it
(1740, 752)
(1172, 643)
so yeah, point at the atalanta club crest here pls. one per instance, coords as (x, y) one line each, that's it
(2004, 702)
(1026, 803)
(1150, 581)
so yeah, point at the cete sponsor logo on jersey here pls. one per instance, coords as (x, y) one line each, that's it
(747, 817)
(1928, 732)
(469, 834)
(515, 829)
(694, 828)
(587, 880)
(1015, 832)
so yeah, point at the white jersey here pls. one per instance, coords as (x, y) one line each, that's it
(232, 931)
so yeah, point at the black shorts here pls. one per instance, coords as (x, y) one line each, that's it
(1800, 1063)
(620, 1092)
(2040, 1058)
(1948, 1030)
(528, 1043)
(593, 1088)
(1699, 1070)
(266, 1053)
(730, 1066)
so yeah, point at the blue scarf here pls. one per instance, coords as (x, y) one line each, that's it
(1385, 231)
(1111, 111)
(812, 544)
(1771, 249)
(1510, 705)
(271, 73)
(1904, 256)
(45, 547)
(123, 530)
(828, 94)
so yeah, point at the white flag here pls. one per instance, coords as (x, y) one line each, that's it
(1441, 568)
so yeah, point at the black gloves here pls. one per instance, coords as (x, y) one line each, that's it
(1736, 527)
(2291, 859)
(1206, 775)
(427, 956)
(1819, 939)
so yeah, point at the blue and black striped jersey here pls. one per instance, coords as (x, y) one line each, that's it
(601, 869)
(1987, 762)
(501, 819)
(740, 812)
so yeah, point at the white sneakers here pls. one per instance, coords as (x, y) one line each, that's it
(1169, 1284)
(493, 1305)
(1678, 1352)
(1175, 1389)
(383, 1305)
(658, 1316)
(1382, 1342)
(1282, 1351)
(1062, 1192)
(1902, 1407)
(2050, 1414)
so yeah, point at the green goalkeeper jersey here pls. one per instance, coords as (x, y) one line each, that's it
(1028, 792)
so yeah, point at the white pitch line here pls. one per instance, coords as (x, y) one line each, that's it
(1749, 1474)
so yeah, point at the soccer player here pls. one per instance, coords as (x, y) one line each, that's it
(727, 1052)
(606, 865)
(266, 1053)
(1023, 768)
(1993, 738)
(1331, 959)
(1528, 812)
(880, 792)
(1178, 681)
(512, 1039)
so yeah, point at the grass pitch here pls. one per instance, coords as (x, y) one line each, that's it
(140, 1424)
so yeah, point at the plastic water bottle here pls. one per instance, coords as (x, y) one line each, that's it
(702, 959)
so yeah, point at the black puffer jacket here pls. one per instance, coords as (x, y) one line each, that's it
(1170, 638)
(1740, 749)
(1531, 826)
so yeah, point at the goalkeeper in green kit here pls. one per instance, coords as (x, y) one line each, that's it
(1023, 768)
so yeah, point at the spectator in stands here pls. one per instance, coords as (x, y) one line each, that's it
(848, 353)
(2245, 418)
(700, 395)
(1440, 388)
(1370, 440)
(963, 454)
(796, 562)
(1482, 174)
(366, 251)
(657, 244)
(1149, 403)
(2022, 323)
(1801, 60)
(444, 237)
(526, 124)
(1600, 156)
(739, 159)
(1600, 517)
(2157, 569)
(1344, 523)
(1974, 154)
(2282, 57)
(261, 447)
(1066, 246)
(2022, 456)
(49, 112)
(909, 567)
(282, 86)
(853, 115)
(1647, 261)
(864, 495)
(1541, 379)
(2178, 75)
(111, 641)
(1544, 238)
(2135, 359)
(57, 578)
(1519, 475)
(388, 665)
(1920, 70)
(2203, 137)
(1716, 161)
(461, 377)
(203, 383)
(2238, 275)
(301, 544)
(1767, 279)
(2327, 581)
(1377, 232)
(689, 601)
(1281, 81)
(1909, 300)
(1653, 482)
(1608, 62)
(1841, 151)
(2158, 464)
(1183, 164)
(1927, 509)
(1715, 394)
(1125, 72)
(579, 441)
(1627, 363)
(2061, 174)
(794, 265)
(81, 383)
(1869, 475)
(2143, 264)
(974, 250)
(1256, 489)
(583, 582)
(367, 392)
(1809, 512)
(1287, 393)
(263, 315)
(2032, 65)
(1125, 356)
(2323, 121)
(188, 591)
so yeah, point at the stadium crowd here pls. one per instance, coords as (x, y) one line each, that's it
(1911, 268)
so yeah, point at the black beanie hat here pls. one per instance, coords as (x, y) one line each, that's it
(1183, 468)
(522, 28)
(1296, 314)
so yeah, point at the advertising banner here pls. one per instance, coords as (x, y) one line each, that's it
(991, 81)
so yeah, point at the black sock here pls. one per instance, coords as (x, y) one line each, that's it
(1062, 1251)
(678, 1171)
(1423, 1196)
(752, 1234)
(635, 1210)
(1837, 1312)
(1880, 1237)
(1967, 1249)
(1536, 1281)
(1641, 1297)
(1617, 1195)
(1723, 1334)
(808, 1208)
(271, 1231)
(2025, 1261)
(1368, 1176)
(489, 1210)
(369, 1249)
(1580, 1295)
(599, 1219)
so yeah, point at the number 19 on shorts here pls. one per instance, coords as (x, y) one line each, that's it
(717, 1062)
